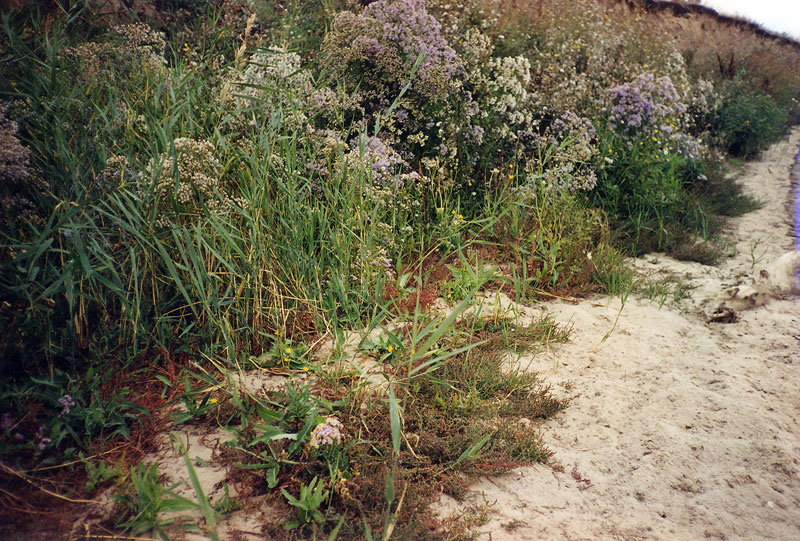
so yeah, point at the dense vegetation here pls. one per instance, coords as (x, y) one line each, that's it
(193, 190)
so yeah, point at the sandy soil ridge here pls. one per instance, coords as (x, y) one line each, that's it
(679, 428)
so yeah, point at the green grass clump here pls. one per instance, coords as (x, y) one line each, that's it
(748, 122)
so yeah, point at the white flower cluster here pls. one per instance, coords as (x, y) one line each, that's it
(144, 43)
(275, 79)
(190, 180)
(508, 85)
(502, 85)
(567, 155)
(455, 15)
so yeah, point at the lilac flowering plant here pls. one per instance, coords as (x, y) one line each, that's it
(381, 44)
(406, 25)
(380, 158)
(650, 110)
(7, 421)
(650, 160)
(329, 432)
(396, 46)
(644, 104)
(22, 183)
(67, 404)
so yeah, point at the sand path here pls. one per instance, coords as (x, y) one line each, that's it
(678, 428)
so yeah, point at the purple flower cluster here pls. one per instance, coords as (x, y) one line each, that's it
(7, 421)
(687, 146)
(328, 432)
(14, 158)
(377, 47)
(67, 403)
(43, 441)
(383, 159)
(20, 181)
(474, 135)
(651, 108)
(570, 124)
(644, 104)
(406, 25)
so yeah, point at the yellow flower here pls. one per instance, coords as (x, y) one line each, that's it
(390, 349)
(213, 400)
(289, 351)
(305, 369)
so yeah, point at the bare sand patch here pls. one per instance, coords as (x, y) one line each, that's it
(680, 426)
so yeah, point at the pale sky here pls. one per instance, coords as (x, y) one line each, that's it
(778, 15)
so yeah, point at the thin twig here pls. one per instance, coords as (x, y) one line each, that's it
(56, 466)
(49, 492)
(573, 300)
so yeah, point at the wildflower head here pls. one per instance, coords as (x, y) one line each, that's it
(328, 432)
(7, 421)
(67, 403)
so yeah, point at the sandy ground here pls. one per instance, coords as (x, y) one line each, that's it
(678, 427)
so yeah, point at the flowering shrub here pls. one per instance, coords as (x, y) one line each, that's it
(273, 79)
(568, 154)
(130, 49)
(651, 108)
(702, 101)
(20, 180)
(374, 154)
(381, 43)
(374, 52)
(643, 104)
